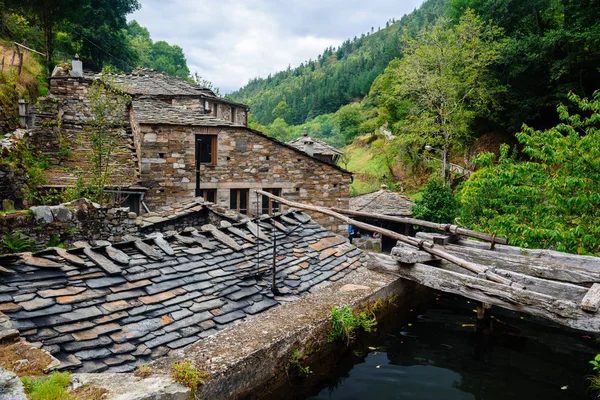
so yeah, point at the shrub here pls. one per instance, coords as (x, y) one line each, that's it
(437, 203)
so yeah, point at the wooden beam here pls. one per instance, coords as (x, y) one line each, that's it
(452, 229)
(561, 311)
(559, 266)
(591, 301)
(420, 244)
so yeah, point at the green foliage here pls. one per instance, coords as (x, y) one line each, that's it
(296, 360)
(186, 374)
(552, 200)
(596, 363)
(34, 163)
(337, 77)
(107, 107)
(345, 323)
(443, 81)
(17, 242)
(437, 203)
(55, 242)
(156, 55)
(53, 387)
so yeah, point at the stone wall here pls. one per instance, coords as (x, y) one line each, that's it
(12, 180)
(245, 160)
(79, 220)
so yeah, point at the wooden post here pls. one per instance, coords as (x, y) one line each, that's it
(12, 60)
(20, 66)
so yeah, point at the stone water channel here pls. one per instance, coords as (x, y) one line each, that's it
(436, 352)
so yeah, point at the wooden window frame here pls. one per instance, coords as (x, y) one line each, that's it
(204, 193)
(213, 150)
(238, 193)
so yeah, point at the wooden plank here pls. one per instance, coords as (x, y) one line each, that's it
(406, 254)
(591, 301)
(561, 311)
(524, 263)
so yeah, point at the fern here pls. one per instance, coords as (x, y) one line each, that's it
(16, 242)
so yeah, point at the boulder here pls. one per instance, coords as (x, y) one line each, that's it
(11, 387)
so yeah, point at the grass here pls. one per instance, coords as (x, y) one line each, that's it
(295, 362)
(143, 371)
(13, 352)
(187, 374)
(56, 387)
(345, 323)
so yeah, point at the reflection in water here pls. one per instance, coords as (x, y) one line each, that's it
(440, 355)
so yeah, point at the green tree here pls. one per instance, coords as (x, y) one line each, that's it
(437, 203)
(90, 20)
(281, 110)
(445, 75)
(551, 201)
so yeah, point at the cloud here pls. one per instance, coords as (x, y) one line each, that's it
(232, 41)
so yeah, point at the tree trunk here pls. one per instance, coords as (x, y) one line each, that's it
(47, 21)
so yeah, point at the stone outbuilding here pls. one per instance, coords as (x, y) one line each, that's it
(180, 141)
(384, 202)
(316, 148)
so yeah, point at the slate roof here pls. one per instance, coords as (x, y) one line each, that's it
(319, 146)
(111, 307)
(148, 82)
(152, 111)
(382, 202)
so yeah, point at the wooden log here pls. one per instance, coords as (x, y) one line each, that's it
(591, 301)
(561, 311)
(406, 254)
(453, 229)
(421, 244)
(593, 263)
(566, 270)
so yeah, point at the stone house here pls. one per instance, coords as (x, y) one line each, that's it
(182, 141)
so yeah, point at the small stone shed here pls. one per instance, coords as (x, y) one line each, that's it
(316, 148)
(384, 202)
(110, 306)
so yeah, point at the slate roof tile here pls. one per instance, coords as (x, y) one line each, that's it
(151, 307)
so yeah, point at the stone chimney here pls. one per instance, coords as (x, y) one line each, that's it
(77, 70)
(309, 147)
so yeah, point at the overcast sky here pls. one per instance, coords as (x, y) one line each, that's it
(231, 41)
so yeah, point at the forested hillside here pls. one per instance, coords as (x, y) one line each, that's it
(337, 77)
(551, 47)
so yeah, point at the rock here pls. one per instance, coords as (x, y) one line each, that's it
(129, 387)
(61, 213)
(42, 214)
(11, 387)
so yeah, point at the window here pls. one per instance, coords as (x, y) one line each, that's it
(207, 108)
(268, 205)
(206, 149)
(209, 195)
(239, 200)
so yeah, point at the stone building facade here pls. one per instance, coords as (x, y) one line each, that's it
(180, 141)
